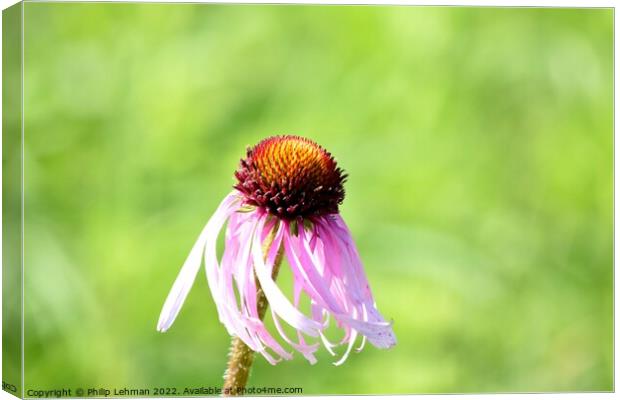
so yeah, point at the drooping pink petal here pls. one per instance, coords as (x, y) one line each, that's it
(241, 227)
(349, 298)
(373, 326)
(248, 292)
(231, 260)
(302, 348)
(346, 354)
(236, 264)
(306, 273)
(189, 270)
(307, 350)
(220, 284)
(280, 304)
(313, 273)
(309, 355)
(361, 346)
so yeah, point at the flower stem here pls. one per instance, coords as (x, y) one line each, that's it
(241, 356)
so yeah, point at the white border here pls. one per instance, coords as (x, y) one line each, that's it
(23, 209)
(507, 3)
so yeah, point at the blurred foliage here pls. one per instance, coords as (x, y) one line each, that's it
(479, 147)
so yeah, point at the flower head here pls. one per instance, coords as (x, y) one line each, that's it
(285, 202)
(291, 177)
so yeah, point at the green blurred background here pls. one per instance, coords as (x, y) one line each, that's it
(479, 147)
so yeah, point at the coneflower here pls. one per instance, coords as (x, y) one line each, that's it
(285, 202)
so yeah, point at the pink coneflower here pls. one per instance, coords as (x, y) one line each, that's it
(285, 202)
